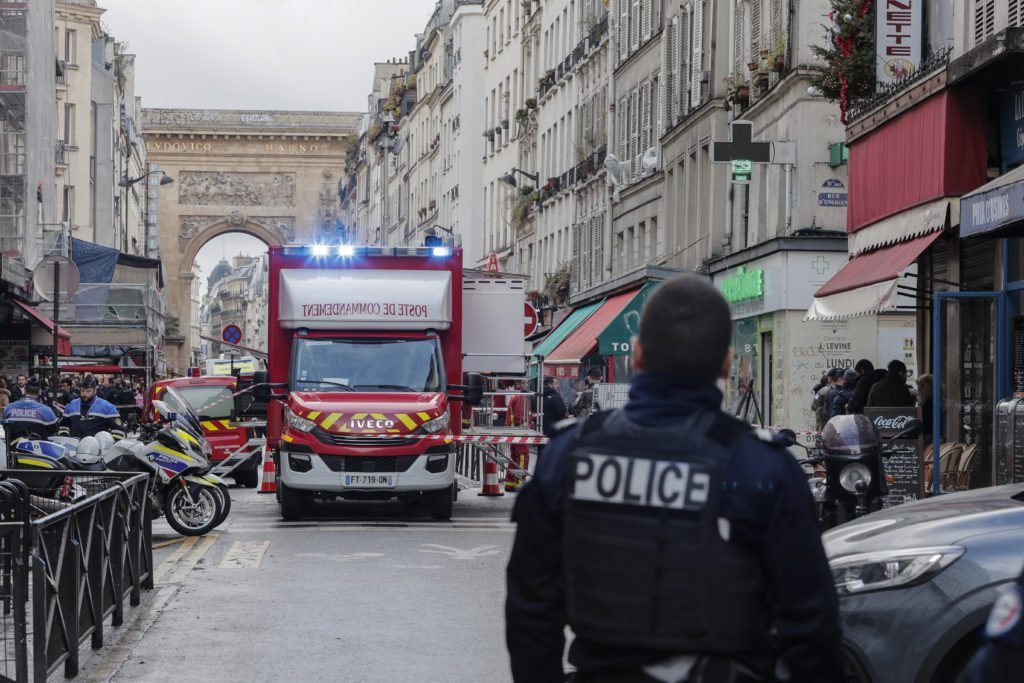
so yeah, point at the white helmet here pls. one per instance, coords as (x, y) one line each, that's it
(105, 440)
(88, 450)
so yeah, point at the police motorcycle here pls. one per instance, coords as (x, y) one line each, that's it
(852, 452)
(177, 458)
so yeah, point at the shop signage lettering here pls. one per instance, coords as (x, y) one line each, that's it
(832, 193)
(992, 210)
(1012, 133)
(898, 31)
(744, 285)
(349, 309)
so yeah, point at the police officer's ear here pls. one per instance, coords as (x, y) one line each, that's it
(638, 354)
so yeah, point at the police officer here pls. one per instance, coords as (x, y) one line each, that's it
(1001, 660)
(29, 417)
(676, 542)
(89, 414)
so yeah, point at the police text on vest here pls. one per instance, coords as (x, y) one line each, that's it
(640, 481)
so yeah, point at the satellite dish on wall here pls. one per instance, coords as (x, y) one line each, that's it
(42, 278)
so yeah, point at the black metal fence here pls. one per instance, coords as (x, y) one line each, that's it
(85, 558)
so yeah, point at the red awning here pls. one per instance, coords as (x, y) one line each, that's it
(93, 369)
(583, 341)
(63, 336)
(869, 282)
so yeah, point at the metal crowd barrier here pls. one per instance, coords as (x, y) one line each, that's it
(84, 559)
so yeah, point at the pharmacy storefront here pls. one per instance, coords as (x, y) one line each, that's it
(778, 355)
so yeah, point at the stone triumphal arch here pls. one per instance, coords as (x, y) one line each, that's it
(270, 174)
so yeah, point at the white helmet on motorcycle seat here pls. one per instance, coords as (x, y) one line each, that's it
(105, 440)
(88, 451)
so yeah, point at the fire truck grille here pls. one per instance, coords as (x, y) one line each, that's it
(365, 441)
(369, 463)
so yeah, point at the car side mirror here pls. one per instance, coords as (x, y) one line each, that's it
(473, 394)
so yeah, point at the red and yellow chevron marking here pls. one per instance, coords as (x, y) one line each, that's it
(215, 425)
(342, 423)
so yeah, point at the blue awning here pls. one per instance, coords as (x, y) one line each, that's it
(994, 207)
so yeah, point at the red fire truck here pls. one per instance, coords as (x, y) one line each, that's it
(367, 350)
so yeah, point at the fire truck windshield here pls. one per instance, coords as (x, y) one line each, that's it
(211, 402)
(367, 365)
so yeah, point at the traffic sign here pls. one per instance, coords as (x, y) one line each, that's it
(530, 319)
(67, 278)
(232, 334)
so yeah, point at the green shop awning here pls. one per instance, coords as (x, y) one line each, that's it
(564, 329)
(614, 340)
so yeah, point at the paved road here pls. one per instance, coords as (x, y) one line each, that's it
(361, 592)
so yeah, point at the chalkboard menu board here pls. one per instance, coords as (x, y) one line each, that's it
(903, 468)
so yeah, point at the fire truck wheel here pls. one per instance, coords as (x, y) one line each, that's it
(441, 503)
(250, 479)
(291, 502)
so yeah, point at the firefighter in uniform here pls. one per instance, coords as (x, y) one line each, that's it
(29, 417)
(89, 414)
(518, 415)
(676, 542)
(1001, 660)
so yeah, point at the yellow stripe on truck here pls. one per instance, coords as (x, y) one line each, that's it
(329, 420)
(423, 416)
(210, 426)
(407, 421)
(313, 414)
(226, 423)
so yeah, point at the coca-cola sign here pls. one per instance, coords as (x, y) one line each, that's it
(892, 423)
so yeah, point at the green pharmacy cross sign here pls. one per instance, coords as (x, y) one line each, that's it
(744, 285)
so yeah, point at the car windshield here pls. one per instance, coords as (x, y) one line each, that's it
(211, 403)
(367, 365)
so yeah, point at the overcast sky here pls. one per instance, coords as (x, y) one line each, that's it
(312, 55)
(262, 54)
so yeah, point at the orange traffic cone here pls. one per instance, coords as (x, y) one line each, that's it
(491, 486)
(268, 483)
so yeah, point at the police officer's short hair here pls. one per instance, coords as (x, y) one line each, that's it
(686, 329)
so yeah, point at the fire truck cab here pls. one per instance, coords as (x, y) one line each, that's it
(366, 357)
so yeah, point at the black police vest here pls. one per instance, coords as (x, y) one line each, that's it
(645, 564)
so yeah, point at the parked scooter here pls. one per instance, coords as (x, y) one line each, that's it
(853, 453)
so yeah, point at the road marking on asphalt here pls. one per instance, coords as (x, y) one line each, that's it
(179, 553)
(164, 544)
(459, 554)
(416, 566)
(341, 558)
(244, 555)
(189, 562)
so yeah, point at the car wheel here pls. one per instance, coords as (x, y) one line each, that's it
(953, 668)
(441, 503)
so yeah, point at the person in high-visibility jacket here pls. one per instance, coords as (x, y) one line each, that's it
(518, 416)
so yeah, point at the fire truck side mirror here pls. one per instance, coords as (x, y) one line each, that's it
(474, 391)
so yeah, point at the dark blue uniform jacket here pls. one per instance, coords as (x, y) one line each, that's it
(770, 511)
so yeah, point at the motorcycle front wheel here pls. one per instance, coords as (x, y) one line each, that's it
(225, 503)
(193, 511)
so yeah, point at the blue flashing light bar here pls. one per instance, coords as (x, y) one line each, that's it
(351, 251)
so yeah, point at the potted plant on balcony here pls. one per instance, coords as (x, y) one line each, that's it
(504, 124)
(497, 130)
(552, 183)
(778, 57)
(521, 115)
(433, 204)
(530, 103)
(489, 134)
(737, 91)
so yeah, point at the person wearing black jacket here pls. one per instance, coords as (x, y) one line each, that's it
(554, 406)
(715, 565)
(892, 391)
(868, 377)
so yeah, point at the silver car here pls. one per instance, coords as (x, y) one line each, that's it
(916, 582)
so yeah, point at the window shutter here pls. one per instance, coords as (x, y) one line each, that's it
(645, 21)
(574, 274)
(634, 23)
(634, 128)
(680, 68)
(1014, 15)
(984, 19)
(755, 30)
(584, 233)
(645, 117)
(623, 111)
(776, 19)
(696, 52)
(665, 82)
(737, 40)
(597, 248)
(623, 30)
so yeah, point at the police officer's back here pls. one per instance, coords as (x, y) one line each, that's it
(1001, 659)
(676, 543)
(89, 414)
(29, 417)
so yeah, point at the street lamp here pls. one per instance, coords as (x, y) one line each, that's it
(127, 182)
(510, 178)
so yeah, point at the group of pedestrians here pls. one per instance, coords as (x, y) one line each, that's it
(850, 391)
(78, 407)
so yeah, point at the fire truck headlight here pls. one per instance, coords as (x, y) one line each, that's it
(438, 424)
(299, 423)
(319, 250)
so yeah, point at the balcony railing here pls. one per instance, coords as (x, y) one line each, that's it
(62, 72)
(937, 61)
(12, 80)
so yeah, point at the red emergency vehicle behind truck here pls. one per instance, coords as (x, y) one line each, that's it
(368, 343)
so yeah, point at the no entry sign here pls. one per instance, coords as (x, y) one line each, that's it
(530, 320)
(232, 334)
